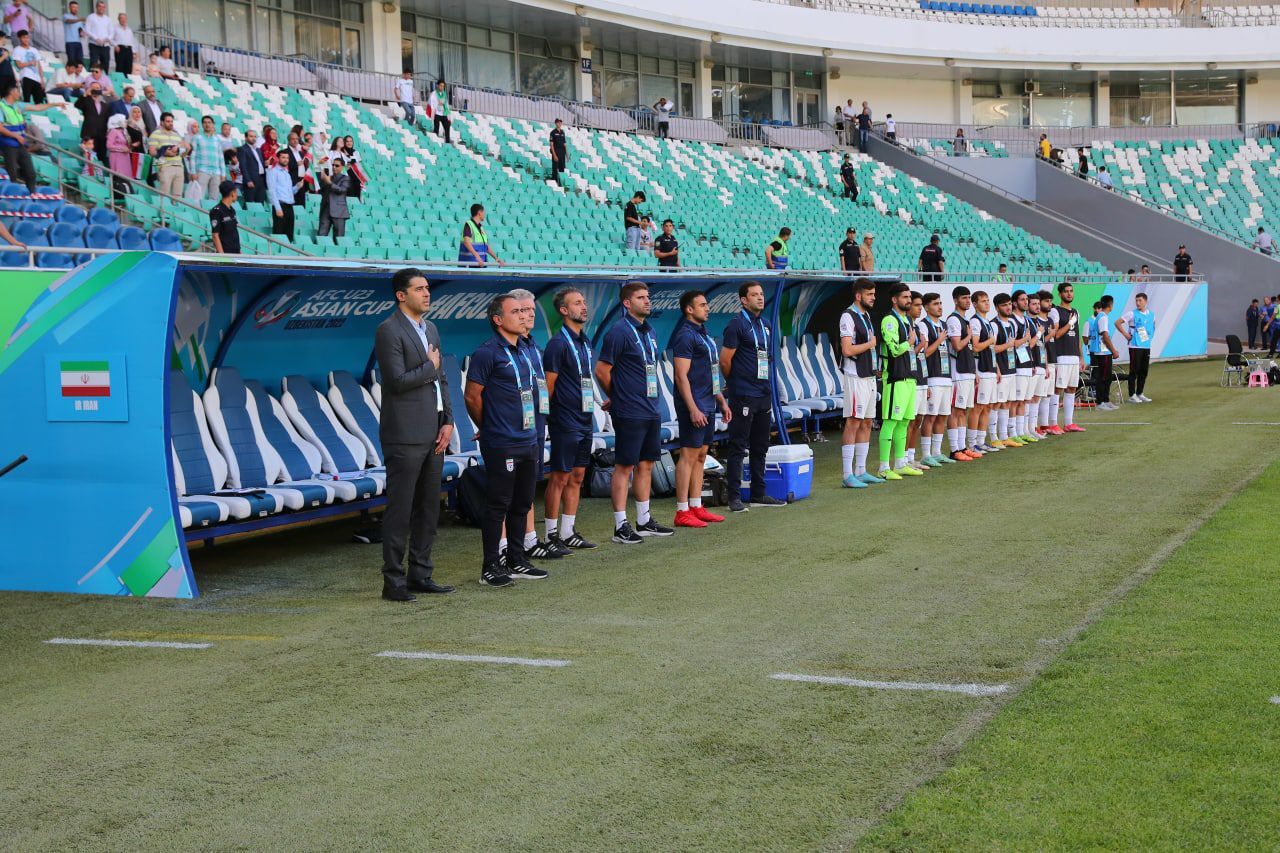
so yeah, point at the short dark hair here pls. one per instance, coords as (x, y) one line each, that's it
(1106, 301)
(1002, 298)
(476, 208)
(978, 294)
(1144, 296)
(1063, 285)
(1044, 294)
(915, 294)
(957, 292)
(8, 89)
(562, 294)
(930, 298)
(1131, 271)
(496, 304)
(745, 288)
(687, 298)
(631, 288)
(645, 218)
(668, 222)
(934, 239)
(22, 33)
(1016, 294)
(639, 194)
(401, 278)
(785, 232)
(165, 115)
(864, 284)
(209, 119)
(900, 287)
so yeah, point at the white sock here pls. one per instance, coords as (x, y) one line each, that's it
(619, 518)
(1002, 424)
(1069, 407)
(937, 445)
(552, 526)
(971, 438)
(925, 442)
(953, 445)
(1055, 407)
(695, 503)
(530, 539)
(846, 459)
(982, 437)
(884, 465)
(502, 545)
(566, 524)
(900, 463)
(860, 451)
(682, 506)
(1018, 421)
(911, 454)
(642, 512)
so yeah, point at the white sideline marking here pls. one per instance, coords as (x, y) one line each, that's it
(1255, 423)
(473, 658)
(966, 689)
(125, 644)
(1116, 423)
(1275, 700)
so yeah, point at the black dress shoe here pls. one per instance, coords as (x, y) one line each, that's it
(397, 593)
(429, 586)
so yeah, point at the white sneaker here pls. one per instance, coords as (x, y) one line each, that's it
(1145, 398)
(1108, 407)
(1135, 399)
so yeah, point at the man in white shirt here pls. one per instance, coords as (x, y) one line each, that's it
(890, 129)
(859, 365)
(406, 96)
(99, 29)
(1066, 346)
(30, 69)
(1263, 242)
(438, 103)
(122, 41)
(69, 81)
(1104, 178)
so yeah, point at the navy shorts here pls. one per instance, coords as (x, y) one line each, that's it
(569, 450)
(692, 436)
(636, 440)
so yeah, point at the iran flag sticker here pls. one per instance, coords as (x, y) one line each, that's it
(86, 378)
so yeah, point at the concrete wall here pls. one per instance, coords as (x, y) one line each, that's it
(909, 99)
(1015, 175)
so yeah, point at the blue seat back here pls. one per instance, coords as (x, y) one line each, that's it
(296, 464)
(184, 433)
(31, 229)
(100, 237)
(244, 456)
(103, 216)
(307, 399)
(462, 426)
(54, 260)
(70, 213)
(353, 396)
(164, 240)
(130, 237)
(66, 234)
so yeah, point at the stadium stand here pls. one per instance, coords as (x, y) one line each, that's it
(998, 14)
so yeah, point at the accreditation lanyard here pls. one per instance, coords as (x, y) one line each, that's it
(650, 356)
(526, 394)
(762, 352)
(712, 360)
(1142, 318)
(544, 400)
(1023, 353)
(583, 357)
(1011, 354)
(944, 357)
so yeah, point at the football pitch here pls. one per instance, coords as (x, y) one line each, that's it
(1116, 591)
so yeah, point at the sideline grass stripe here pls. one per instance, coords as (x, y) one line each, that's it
(124, 644)
(936, 687)
(549, 662)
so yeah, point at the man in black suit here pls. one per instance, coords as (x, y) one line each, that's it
(416, 425)
(252, 170)
(94, 127)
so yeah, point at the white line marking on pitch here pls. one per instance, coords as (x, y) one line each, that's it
(1116, 423)
(1275, 700)
(125, 644)
(966, 689)
(1255, 423)
(473, 658)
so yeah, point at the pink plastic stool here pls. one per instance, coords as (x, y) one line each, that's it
(1258, 379)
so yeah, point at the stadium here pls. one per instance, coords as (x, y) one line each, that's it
(516, 424)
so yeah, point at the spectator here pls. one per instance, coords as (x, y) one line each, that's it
(1043, 147)
(298, 169)
(777, 252)
(960, 145)
(438, 104)
(839, 123)
(99, 30)
(222, 221)
(1274, 327)
(647, 235)
(1082, 164)
(17, 16)
(407, 96)
(13, 140)
(69, 81)
(1251, 315)
(122, 41)
(1263, 242)
(281, 191)
(1182, 264)
(73, 33)
(103, 81)
(120, 106)
(1104, 178)
(137, 130)
(663, 109)
(333, 202)
(208, 166)
(864, 127)
(559, 150)
(151, 109)
(270, 145)
(352, 158)
(153, 66)
(849, 178)
(30, 69)
(94, 127)
(865, 253)
(119, 160)
(333, 155)
(932, 263)
(850, 120)
(253, 169)
(631, 221)
(167, 147)
(164, 65)
(7, 76)
(319, 151)
(1144, 274)
(890, 129)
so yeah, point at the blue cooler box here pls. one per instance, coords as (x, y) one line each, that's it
(788, 473)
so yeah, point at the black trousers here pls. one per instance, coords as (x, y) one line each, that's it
(664, 130)
(1101, 377)
(435, 126)
(851, 191)
(283, 224)
(557, 165)
(257, 194)
(511, 492)
(748, 431)
(17, 162)
(33, 92)
(412, 513)
(124, 60)
(100, 54)
(1139, 365)
(1253, 333)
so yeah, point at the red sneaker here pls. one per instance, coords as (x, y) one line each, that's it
(1073, 428)
(961, 456)
(703, 514)
(1056, 430)
(686, 518)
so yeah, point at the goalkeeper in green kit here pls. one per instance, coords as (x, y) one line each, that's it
(898, 400)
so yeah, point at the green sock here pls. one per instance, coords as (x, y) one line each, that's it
(899, 440)
(886, 442)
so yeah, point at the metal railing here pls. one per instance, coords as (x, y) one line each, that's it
(1024, 141)
(1091, 15)
(138, 198)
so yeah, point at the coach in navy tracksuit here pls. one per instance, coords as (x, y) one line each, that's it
(746, 360)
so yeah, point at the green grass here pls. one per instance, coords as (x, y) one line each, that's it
(666, 731)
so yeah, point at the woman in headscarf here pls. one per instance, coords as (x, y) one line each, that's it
(352, 159)
(137, 131)
(118, 159)
(270, 145)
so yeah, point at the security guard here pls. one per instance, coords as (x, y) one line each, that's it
(475, 247)
(777, 255)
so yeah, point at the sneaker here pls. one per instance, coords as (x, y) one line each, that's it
(495, 575)
(556, 544)
(1144, 398)
(1107, 407)
(543, 551)
(736, 505)
(686, 518)
(706, 515)
(889, 475)
(989, 448)
(768, 501)
(520, 567)
(578, 543)
(869, 478)
(908, 471)
(1073, 428)
(1028, 439)
(1136, 399)
(943, 460)
(653, 528)
(961, 456)
(1056, 430)
(919, 466)
(625, 535)
(852, 482)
